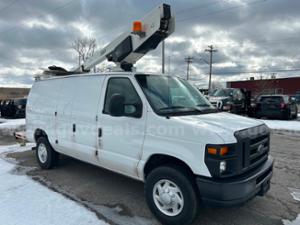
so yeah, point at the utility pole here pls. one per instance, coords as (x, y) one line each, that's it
(188, 60)
(211, 50)
(163, 57)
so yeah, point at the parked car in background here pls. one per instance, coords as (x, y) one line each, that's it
(1, 105)
(7, 109)
(20, 107)
(13, 108)
(297, 97)
(276, 106)
(228, 99)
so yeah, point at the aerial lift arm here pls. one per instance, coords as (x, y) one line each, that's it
(130, 46)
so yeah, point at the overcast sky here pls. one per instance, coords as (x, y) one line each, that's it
(250, 35)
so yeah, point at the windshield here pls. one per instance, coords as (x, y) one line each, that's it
(20, 102)
(271, 99)
(168, 95)
(222, 92)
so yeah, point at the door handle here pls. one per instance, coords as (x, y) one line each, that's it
(99, 132)
(74, 128)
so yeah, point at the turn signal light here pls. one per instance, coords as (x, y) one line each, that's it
(224, 151)
(212, 151)
(218, 151)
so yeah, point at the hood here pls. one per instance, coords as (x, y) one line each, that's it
(223, 124)
(216, 99)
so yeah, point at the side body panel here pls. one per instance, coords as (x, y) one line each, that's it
(122, 138)
(185, 141)
(76, 117)
(41, 107)
(84, 118)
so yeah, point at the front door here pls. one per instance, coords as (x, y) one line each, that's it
(121, 138)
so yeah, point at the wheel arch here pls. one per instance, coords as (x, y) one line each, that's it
(157, 160)
(39, 133)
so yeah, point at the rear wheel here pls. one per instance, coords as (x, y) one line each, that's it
(46, 156)
(296, 115)
(171, 196)
(287, 115)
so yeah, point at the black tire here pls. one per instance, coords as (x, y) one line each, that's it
(287, 115)
(296, 115)
(187, 187)
(51, 158)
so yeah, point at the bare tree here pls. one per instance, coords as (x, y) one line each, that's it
(85, 47)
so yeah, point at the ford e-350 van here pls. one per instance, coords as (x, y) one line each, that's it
(155, 128)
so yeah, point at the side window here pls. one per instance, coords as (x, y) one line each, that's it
(121, 86)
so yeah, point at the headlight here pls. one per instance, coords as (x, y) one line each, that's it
(222, 166)
(221, 160)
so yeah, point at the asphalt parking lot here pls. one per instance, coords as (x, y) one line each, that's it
(120, 200)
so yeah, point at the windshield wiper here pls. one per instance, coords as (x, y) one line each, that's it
(203, 105)
(188, 109)
(172, 107)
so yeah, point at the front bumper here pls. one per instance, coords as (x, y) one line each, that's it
(238, 190)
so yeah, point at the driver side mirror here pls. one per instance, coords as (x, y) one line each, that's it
(118, 108)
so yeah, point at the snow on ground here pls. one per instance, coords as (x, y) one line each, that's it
(283, 124)
(295, 193)
(9, 126)
(295, 222)
(24, 201)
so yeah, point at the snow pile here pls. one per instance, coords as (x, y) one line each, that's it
(295, 222)
(14, 148)
(8, 127)
(283, 125)
(24, 201)
(296, 194)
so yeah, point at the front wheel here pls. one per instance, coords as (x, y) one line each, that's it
(171, 196)
(46, 156)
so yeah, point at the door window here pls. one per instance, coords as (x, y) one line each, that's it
(124, 87)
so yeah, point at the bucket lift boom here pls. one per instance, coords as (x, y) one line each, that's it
(130, 46)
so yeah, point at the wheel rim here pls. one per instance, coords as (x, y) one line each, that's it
(42, 153)
(168, 197)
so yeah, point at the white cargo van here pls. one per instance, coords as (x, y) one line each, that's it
(154, 128)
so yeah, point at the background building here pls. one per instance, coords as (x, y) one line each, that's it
(12, 93)
(288, 86)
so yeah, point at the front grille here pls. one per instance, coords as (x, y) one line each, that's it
(253, 147)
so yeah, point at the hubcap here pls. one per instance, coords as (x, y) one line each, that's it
(42, 153)
(168, 197)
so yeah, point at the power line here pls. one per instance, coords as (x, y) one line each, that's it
(262, 42)
(196, 7)
(259, 71)
(220, 11)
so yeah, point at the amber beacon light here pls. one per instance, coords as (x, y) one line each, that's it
(137, 28)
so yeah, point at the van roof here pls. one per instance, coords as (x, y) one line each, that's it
(100, 74)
